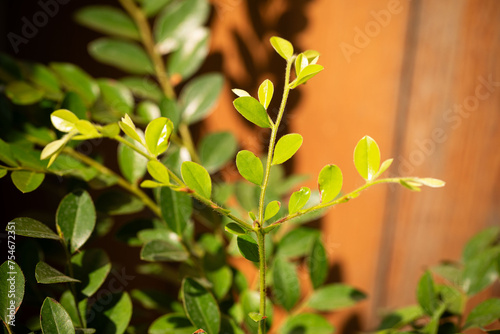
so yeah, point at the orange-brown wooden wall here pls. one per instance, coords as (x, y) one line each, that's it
(422, 78)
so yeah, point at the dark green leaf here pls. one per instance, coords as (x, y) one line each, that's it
(306, 323)
(127, 56)
(46, 274)
(250, 167)
(192, 51)
(480, 242)
(401, 317)
(199, 96)
(22, 93)
(108, 20)
(132, 164)
(298, 200)
(335, 296)
(481, 271)
(286, 147)
(286, 288)
(197, 178)
(248, 248)
(27, 181)
(176, 209)
(216, 149)
(115, 311)
(91, 267)
(116, 96)
(221, 279)
(143, 88)
(484, 313)
(32, 228)
(174, 323)
(116, 202)
(318, 264)
(9, 70)
(200, 306)
(153, 299)
(75, 79)
(67, 301)
(330, 183)
(163, 250)
(235, 229)
(252, 110)
(12, 280)
(54, 319)
(426, 294)
(367, 158)
(298, 242)
(283, 47)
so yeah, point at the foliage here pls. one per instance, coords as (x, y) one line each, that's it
(195, 227)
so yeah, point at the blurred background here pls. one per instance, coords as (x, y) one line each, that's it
(421, 77)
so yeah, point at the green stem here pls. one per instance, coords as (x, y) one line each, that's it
(262, 278)
(147, 40)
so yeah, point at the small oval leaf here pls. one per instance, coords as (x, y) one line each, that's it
(266, 91)
(200, 306)
(158, 171)
(250, 167)
(252, 110)
(248, 248)
(54, 319)
(329, 183)
(272, 209)
(157, 135)
(197, 178)
(282, 46)
(367, 158)
(298, 200)
(286, 147)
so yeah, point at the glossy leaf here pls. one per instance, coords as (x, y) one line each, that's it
(480, 242)
(199, 96)
(108, 20)
(200, 306)
(266, 91)
(32, 228)
(75, 219)
(132, 164)
(335, 296)
(250, 167)
(54, 319)
(11, 277)
(176, 209)
(240, 92)
(91, 267)
(22, 93)
(46, 274)
(116, 96)
(300, 63)
(158, 134)
(158, 171)
(164, 250)
(217, 149)
(298, 200)
(367, 158)
(126, 56)
(330, 183)
(306, 74)
(114, 202)
(173, 323)
(286, 288)
(115, 313)
(26, 181)
(197, 178)
(312, 56)
(235, 229)
(272, 209)
(75, 79)
(252, 110)
(306, 323)
(143, 88)
(63, 120)
(484, 313)
(298, 242)
(283, 47)
(248, 248)
(426, 294)
(317, 263)
(286, 147)
(128, 126)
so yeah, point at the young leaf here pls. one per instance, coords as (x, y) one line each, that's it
(318, 264)
(484, 314)
(11, 277)
(300, 63)
(173, 323)
(200, 306)
(367, 158)
(75, 219)
(312, 56)
(91, 267)
(334, 296)
(176, 209)
(283, 47)
(217, 149)
(255, 316)
(157, 135)
(306, 323)
(110, 130)
(240, 92)
(329, 183)
(286, 147)
(64, 120)
(46, 274)
(298, 200)
(128, 126)
(250, 167)
(306, 73)
(272, 209)
(114, 314)
(199, 96)
(108, 20)
(158, 171)
(22, 93)
(164, 250)
(87, 130)
(151, 184)
(75, 79)
(426, 294)
(248, 248)
(286, 288)
(54, 318)
(32, 228)
(266, 91)
(385, 165)
(26, 181)
(252, 110)
(429, 182)
(197, 178)
(126, 56)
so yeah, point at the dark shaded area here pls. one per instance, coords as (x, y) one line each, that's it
(352, 325)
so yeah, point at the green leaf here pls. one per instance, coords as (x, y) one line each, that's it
(148, 111)
(152, 7)
(143, 88)
(115, 312)
(176, 209)
(216, 149)
(87, 130)
(306, 74)
(91, 267)
(200, 306)
(171, 110)
(248, 247)
(481, 271)
(27, 181)
(334, 296)
(427, 295)
(329, 183)
(300, 63)
(385, 165)
(221, 279)
(116, 96)
(128, 126)
(192, 51)
(298, 200)
(108, 20)
(11, 278)
(272, 209)
(480, 242)
(250, 303)
(282, 46)
(3, 172)
(484, 313)
(32, 228)
(197, 178)
(367, 158)
(116, 202)
(306, 323)
(22, 93)
(298, 242)
(72, 101)
(235, 229)
(177, 21)
(164, 250)
(67, 301)
(266, 91)
(132, 164)
(199, 96)
(46, 274)
(453, 298)
(54, 319)
(75, 79)
(255, 316)
(286, 287)
(427, 181)
(173, 323)
(75, 219)
(6, 154)
(126, 56)
(317, 263)
(157, 135)
(158, 171)
(401, 317)
(240, 92)
(286, 147)
(250, 167)
(252, 110)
